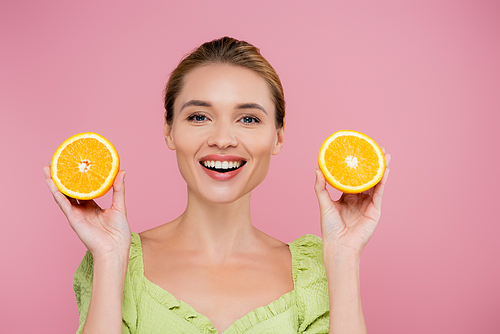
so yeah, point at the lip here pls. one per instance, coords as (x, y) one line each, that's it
(222, 157)
(221, 176)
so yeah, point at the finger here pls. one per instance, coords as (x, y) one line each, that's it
(61, 200)
(387, 158)
(119, 192)
(379, 190)
(324, 199)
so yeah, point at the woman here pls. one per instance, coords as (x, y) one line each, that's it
(210, 270)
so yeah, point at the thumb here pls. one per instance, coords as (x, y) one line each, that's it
(119, 192)
(321, 192)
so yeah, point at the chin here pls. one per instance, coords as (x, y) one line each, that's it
(223, 197)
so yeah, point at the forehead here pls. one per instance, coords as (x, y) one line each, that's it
(222, 84)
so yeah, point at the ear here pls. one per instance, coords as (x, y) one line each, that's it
(167, 133)
(280, 139)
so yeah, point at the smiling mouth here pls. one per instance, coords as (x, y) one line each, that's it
(222, 166)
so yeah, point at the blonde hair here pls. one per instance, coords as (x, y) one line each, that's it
(225, 50)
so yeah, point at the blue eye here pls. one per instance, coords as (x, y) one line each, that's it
(197, 118)
(250, 120)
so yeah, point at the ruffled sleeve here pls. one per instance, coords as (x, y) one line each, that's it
(311, 286)
(82, 285)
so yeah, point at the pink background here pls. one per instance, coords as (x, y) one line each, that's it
(420, 77)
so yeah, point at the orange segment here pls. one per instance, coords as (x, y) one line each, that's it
(351, 161)
(85, 166)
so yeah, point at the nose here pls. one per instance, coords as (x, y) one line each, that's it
(222, 136)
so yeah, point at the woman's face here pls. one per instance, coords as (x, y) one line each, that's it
(223, 131)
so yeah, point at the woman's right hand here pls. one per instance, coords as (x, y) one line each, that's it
(105, 232)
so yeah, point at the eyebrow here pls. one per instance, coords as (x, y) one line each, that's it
(251, 106)
(198, 103)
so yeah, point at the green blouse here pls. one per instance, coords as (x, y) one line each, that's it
(149, 309)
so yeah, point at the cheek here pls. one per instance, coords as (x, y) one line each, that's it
(185, 162)
(185, 149)
(266, 143)
(185, 139)
(261, 148)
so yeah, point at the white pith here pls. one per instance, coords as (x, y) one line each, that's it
(351, 161)
(221, 164)
(84, 166)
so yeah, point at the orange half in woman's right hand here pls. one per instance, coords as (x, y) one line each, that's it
(85, 166)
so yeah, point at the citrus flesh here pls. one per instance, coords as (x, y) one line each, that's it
(351, 161)
(84, 166)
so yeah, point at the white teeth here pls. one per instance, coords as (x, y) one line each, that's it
(222, 164)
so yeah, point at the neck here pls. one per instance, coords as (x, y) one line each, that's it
(218, 230)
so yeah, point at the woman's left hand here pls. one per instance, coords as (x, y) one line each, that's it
(348, 224)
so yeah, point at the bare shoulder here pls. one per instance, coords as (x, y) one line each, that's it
(274, 265)
(151, 234)
(156, 239)
(158, 233)
(270, 242)
(275, 251)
